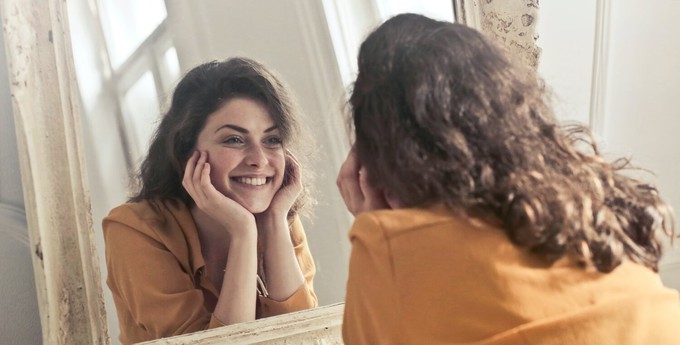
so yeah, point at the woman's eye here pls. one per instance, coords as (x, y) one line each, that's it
(274, 141)
(232, 141)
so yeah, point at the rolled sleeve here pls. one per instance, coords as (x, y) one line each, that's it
(302, 299)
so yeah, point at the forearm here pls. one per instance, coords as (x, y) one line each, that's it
(282, 270)
(237, 296)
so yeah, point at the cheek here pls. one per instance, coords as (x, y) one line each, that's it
(221, 164)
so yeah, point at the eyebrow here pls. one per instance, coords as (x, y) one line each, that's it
(243, 130)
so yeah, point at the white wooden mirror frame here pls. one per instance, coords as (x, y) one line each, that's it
(46, 108)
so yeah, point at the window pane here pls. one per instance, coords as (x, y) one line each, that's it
(169, 69)
(141, 112)
(435, 9)
(126, 23)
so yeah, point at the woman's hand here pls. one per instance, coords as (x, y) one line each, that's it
(227, 212)
(358, 194)
(291, 188)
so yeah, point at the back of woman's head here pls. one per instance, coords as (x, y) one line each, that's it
(442, 116)
(201, 92)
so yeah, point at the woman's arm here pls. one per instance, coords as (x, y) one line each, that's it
(218, 213)
(282, 271)
(236, 302)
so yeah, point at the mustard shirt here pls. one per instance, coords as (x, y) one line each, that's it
(425, 276)
(157, 275)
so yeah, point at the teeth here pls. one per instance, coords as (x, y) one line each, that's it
(257, 181)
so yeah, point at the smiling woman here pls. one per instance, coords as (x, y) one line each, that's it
(213, 221)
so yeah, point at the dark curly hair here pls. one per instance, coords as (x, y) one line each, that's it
(200, 93)
(441, 115)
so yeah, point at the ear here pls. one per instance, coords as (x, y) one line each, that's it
(393, 201)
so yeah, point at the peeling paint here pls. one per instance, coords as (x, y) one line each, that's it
(513, 23)
(38, 251)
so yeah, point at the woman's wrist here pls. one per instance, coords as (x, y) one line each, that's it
(244, 236)
(271, 219)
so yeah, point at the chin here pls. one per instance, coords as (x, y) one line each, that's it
(256, 211)
(256, 208)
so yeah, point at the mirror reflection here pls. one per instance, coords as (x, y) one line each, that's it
(130, 56)
(215, 218)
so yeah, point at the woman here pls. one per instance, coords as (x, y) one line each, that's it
(479, 220)
(213, 235)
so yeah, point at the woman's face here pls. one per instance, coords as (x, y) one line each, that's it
(245, 152)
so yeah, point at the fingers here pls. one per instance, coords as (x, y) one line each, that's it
(348, 182)
(195, 174)
(189, 172)
(197, 182)
(292, 170)
(291, 187)
(357, 192)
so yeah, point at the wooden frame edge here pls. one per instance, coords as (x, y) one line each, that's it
(46, 110)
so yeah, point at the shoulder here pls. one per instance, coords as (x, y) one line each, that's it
(148, 216)
(395, 222)
(403, 224)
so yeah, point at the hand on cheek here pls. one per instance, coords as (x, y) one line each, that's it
(290, 189)
(356, 191)
(208, 199)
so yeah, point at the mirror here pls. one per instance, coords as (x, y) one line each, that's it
(129, 55)
(57, 193)
(123, 96)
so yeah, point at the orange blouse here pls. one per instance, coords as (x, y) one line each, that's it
(157, 277)
(425, 276)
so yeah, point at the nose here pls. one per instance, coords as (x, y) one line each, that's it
(255, 156)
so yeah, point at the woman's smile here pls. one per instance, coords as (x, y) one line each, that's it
(252, 181)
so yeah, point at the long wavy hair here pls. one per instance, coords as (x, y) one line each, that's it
(201, 92)
(441, 115)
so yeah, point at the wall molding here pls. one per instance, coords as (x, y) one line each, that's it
(599, 74)
(326, 74)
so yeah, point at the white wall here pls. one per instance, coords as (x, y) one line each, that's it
(19, 318)
(566, 31)
(641, 117)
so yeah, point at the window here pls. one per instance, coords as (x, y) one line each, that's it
(435, 9)
(125, 58)
(350, 21)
